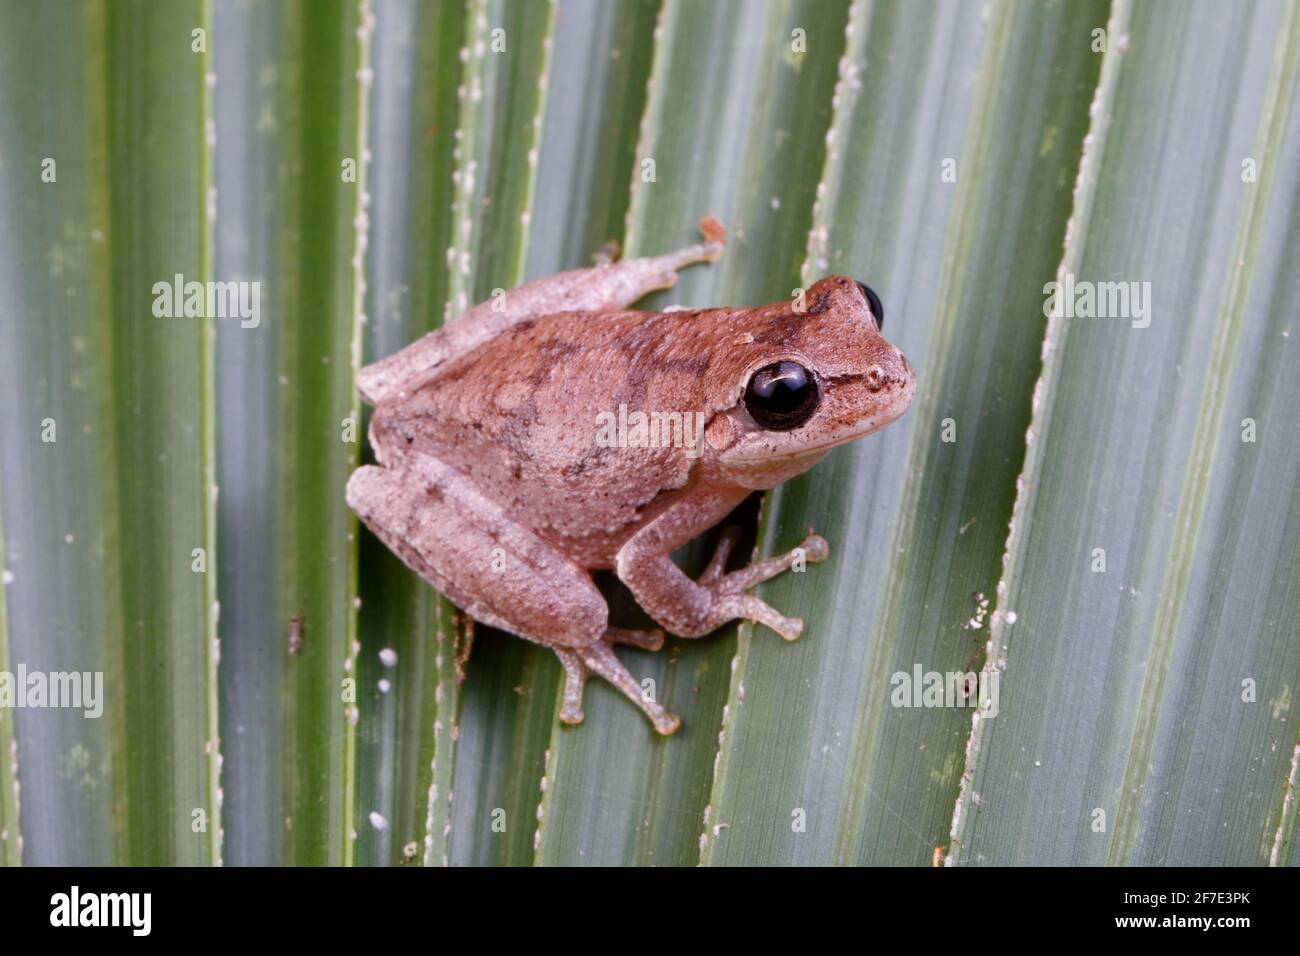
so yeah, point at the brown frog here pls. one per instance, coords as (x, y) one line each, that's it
(551, 432)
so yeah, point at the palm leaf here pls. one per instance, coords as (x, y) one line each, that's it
(290, 114)
(1131, 738)
(109, 466)
(378, 165)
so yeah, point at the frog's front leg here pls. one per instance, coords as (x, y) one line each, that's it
(498, 571)
(604, 288)
(695, 608)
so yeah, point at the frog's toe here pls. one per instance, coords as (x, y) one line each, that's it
(791, 628)
(608, 253)
(575, 679)
(788, 627)
(571, 713)
(667, 724)
(729, 607)
(815, 547)
(715, 235)
(646, 640)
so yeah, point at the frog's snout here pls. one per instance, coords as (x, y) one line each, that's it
(908, 376)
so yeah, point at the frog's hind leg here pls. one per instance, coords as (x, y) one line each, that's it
(499, 572)
(603, 288)
(464, 544)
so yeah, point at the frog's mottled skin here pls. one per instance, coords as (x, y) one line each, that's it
(492, 485)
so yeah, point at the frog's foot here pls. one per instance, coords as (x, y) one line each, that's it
(728, 591)
(599, 658)
(646, 640)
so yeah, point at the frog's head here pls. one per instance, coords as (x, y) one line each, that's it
(805, 381)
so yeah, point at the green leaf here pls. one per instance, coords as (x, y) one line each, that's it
(11, 835)
(290, 114)
(1128, 731)
(109, 469)
(816, 764)
(377, 167)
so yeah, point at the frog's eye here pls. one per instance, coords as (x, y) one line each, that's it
(874, 303)
(782, 396)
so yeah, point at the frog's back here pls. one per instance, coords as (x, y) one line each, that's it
(533, 418)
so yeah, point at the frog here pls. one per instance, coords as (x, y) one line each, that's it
(489, 480)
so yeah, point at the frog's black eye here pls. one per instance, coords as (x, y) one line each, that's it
(782, 396)
(873, 301)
